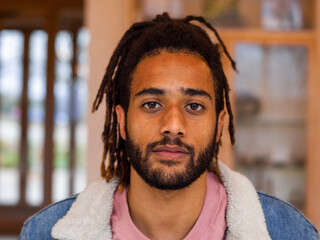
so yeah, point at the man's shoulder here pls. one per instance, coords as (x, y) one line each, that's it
(40, 224)
(284, 221)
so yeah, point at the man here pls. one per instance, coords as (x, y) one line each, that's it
(165, 93)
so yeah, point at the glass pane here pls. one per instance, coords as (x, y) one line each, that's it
(36, 115)
(81, 108)
(62, 90)
(270, 113)
(81, 143)
(267, 14)
(11, 70)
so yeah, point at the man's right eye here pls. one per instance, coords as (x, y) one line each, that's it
(151, 105)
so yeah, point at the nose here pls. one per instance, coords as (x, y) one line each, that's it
(173, 122)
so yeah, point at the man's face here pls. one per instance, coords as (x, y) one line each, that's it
(171, 120)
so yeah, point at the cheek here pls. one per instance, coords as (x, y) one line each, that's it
(142, 131)
(201, 134)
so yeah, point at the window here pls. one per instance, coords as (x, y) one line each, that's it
(43, 97)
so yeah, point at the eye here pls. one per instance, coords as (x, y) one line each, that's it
(151, 105)
(194, 107)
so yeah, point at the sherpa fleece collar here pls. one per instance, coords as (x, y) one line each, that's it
(90, 214)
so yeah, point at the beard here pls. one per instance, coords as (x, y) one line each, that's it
(169, 180)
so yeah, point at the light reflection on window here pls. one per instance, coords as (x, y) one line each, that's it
(36, 115)
(11, 55)
(62, 93)
(81, 92)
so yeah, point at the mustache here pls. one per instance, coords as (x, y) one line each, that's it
(170, 141)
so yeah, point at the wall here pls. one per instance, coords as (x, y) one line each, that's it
(106, 22)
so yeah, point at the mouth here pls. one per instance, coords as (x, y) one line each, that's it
(171, 152)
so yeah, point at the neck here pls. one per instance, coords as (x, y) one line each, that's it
(165, 214)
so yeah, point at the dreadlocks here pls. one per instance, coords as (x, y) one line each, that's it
(147, 39)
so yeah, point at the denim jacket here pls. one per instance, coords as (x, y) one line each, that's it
(249, 215)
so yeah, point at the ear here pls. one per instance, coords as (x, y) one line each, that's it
(221, 117)
(121, 121)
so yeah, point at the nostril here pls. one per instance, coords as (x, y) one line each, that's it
(171, 133)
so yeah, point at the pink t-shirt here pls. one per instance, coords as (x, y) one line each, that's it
(211, 223)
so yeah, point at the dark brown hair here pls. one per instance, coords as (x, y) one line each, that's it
(145, 39)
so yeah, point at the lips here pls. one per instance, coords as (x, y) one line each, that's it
(167, 152)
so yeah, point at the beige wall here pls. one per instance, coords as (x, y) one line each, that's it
(106, 21)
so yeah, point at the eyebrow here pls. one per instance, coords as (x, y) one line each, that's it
(152, 91)
(185, 91)
(195, 92)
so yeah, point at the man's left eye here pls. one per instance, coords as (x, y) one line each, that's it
(151, 105)
(194, 107)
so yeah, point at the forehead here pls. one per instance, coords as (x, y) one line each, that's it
(172, 71)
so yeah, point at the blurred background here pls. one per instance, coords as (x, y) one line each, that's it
(53, 55)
